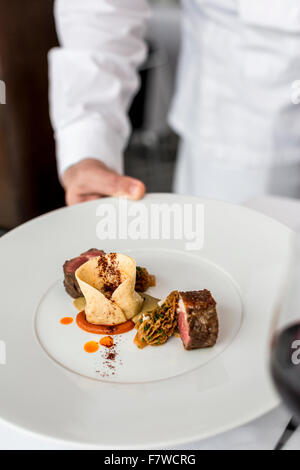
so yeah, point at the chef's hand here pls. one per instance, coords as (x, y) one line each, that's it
(90, 179)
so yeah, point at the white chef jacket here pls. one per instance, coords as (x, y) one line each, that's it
(232, 102)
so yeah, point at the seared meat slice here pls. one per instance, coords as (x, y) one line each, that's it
(70, 266)
(197, 319)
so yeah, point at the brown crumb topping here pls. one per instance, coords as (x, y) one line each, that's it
(110, 271)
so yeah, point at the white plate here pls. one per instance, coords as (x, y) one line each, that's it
(156, 397)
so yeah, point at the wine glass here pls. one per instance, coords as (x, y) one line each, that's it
(285, 345)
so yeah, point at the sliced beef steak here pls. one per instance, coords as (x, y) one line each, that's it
(70, 266)
(197, 319)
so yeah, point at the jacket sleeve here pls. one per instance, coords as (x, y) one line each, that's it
(93, 77)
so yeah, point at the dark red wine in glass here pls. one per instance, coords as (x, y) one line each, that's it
(285, 367)
(285, 344)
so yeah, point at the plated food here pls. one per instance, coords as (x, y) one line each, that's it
(190, 315)
(197, 319)
(108, 286)
(109, 292)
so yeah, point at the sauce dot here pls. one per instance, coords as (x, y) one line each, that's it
(91, 347)
(66, 321)
(107, 341)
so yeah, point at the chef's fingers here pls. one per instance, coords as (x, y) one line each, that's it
(113, 184)
(72, 197)
(90, 178)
